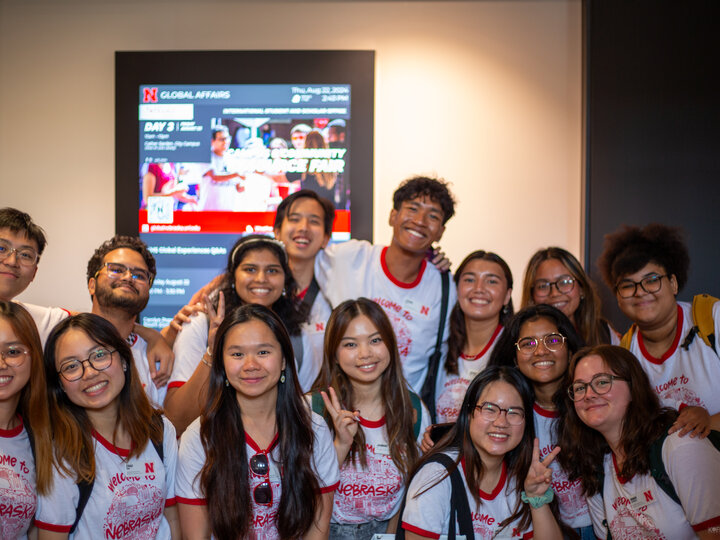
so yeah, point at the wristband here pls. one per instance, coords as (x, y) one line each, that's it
(209, 355)
(537, 502)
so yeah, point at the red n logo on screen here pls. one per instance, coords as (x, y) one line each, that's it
(425, 310)
(149, 468)
(648, 496)
(150, 95)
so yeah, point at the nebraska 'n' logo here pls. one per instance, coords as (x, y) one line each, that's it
(425, 310)
(648, 496)
(150, 95)
(320, 327)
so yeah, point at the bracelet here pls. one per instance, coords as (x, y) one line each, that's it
(537, 502)
(209, 354)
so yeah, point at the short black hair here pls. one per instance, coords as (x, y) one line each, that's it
(20, 222)
(422, 186)
(117, 242)
(286, 204)
(219, 129)
(630, 248)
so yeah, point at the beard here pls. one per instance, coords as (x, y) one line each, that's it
(108, 298)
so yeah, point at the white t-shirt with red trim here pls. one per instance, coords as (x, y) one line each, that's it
(128, 497)
(357, 268)
(18, 499)
(427, 511)
(45, 318)
(682, 376)
(138, 346)
(640, 508)
(450, 388)
(313, 334)
(573, 504)
(192, 459)
(374, 493)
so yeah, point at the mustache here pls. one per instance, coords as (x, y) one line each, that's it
(117, 284)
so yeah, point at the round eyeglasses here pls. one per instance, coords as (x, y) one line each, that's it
(14, 356)
(117, 271)
(73, 370)
(600, 383)
(491, 411)
(627, 288)
(24, 256)
(563, 284)
(552, 342)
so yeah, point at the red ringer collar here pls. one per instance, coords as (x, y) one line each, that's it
(394, 280)
(678, 332)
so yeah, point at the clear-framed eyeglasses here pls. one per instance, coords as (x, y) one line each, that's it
(553, 342)
(118, 270)
(491, 411)
(24, 256)
(14, 356)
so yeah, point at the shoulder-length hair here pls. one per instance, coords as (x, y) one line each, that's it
(33, 404)
(588, 315)
(224, 477)
(517, 461)
(458, 331)
(584, 449)
(394, 393)
(287, 305)
(72, 429)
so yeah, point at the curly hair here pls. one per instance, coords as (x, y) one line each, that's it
(20, 222)
(422, 186)
(120, 241)
(630, 248)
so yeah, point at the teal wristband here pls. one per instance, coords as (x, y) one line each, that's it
(537, 502)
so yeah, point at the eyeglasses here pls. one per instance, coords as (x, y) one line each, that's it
(24, 256)
(14, 356)
(117, 271)
(491, 411)
(600, 383)
(552, 342)
(259, 465)
(564, 284)
(73, 370)
(627, 288)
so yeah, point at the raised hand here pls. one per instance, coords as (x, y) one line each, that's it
(215, 317)
(345, 422)
(539, 475)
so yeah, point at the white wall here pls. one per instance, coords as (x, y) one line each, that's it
(484, 93)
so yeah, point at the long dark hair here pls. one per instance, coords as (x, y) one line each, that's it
(33, 404)
(517, 461)
(286, 305)
(394, 391)
(224, 477)
(458, 331)
(584, 449)
(72, 429)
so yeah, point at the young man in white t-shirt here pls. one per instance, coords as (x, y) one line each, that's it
(398, 277)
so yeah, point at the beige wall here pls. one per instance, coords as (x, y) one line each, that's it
(484, 93)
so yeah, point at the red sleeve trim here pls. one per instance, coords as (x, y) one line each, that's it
(52, 528)
(175, 384)
(714, 522)
(529, 535)
(69, 313)
(192, 502)
(682, 406)
(418, 530)
(330, 489)
(170, 502)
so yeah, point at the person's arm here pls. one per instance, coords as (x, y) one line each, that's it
(393, 523)
(345, 422)
(696, 421)
(157, 351)
(221, 177)
(194, 521)
(148, 187)
(320, 529)
(170, 332)
(171, 515)
(50, 535)
(709, 534)
(214, 284)
(537, 482)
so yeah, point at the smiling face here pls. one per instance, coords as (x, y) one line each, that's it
(303, 229)
(95, 390)
(12, 379)
(417, 224)
(253, 360)
(482, 290)
(122, 292)
(259, 278)
(603, 412)
(496, 438)
(542, 366)
(552, 270)
(15, 277)
(362, 354)
(650, 309)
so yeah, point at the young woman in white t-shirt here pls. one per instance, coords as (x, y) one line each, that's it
(369, 407)
(256, 464)
(23, 405)
(614, 419)
(106, 434)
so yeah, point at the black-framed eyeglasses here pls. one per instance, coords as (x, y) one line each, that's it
(627, 288)
(490, 412)
(14, 356)
(260, 466)
(24, 256)
(118, 270)
(600, 383)
(563, 284)
(73, 370)
(553, 342)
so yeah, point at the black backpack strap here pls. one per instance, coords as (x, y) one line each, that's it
(157, 418)
(312, 292)
(296, 340)
(417, 407)
(427, 393)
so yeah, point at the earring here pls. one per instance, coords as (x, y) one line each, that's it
(284, 293)
(124, 366)
(506, 308)
(227, 383)
(282, 377)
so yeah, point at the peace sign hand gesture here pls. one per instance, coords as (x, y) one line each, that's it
(345, 422)
(215, 317)
(539, 475)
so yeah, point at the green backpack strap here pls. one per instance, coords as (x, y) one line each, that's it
(417, 405)
(317, 403)
(702, 308)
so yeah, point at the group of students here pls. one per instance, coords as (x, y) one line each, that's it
(301, 421)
